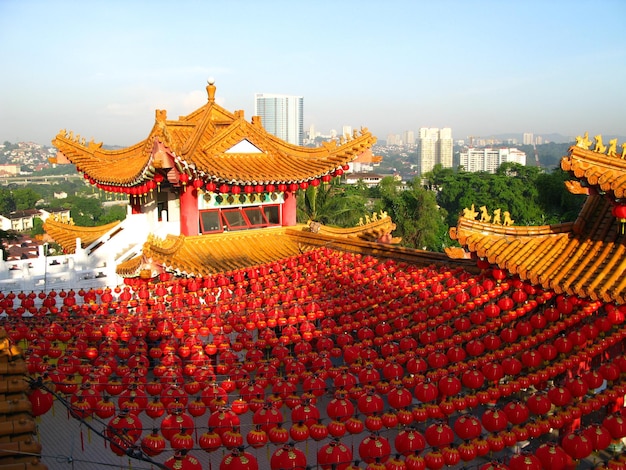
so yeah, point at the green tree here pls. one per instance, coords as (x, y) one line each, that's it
(113, 213)
(25, 198)
(6, 236)
(557, 203)
(331, 204)
(84, 211)
(520, 190)
(419, 221)
(37, 227)
(7, 201)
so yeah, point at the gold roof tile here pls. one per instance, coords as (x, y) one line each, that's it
(584, 258)
(604, 171)
(209, 254)
(65, 233)
(200, 144)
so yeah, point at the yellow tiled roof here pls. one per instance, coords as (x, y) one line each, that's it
(65, 233)
(200, 144)
(586, 258)
(209, 254)
(597, 169)
(369, 230)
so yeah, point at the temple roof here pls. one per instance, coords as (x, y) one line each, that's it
(585, 258)
(209, 254)
(203, 255)
(65, 233)
(606, 172)
(210, 144)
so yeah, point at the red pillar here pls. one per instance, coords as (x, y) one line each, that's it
(289, 209)
(189, 213)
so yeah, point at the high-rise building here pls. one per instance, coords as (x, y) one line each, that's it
(281, 115)
(446, 147)
(528, 138)
(408, 137)
(489, 159)
(435, 146)
(394, 139)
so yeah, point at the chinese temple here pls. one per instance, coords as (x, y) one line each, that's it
(210, 172)
(253, 342)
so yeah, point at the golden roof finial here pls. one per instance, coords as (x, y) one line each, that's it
(583, 141)
(210, 89)
(599, 147)
(470, 213)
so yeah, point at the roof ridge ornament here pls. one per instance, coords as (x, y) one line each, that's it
(210, 89)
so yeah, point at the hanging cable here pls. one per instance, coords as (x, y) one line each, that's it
(133, 451)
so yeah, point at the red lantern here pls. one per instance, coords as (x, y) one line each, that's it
(400, 397)
(41, 401)
(552, 456)
(288, 457)
(426, 392)
(182, 440)
(467, 427)
(256, 437)
(354, 425)
(278, 434)
(599, 436)
(239, 460)
(409, 441)
(415, 462)
(577, 445)
(516, 412)
(494, 420)
(374, 448)
(619, 212)
(434, 459)
(539, 403)
(615, 425)
(370, 403)
(450, 386)
(439, 435)
(560, 396)
(319, 431)
(175, 422)
(153, 444)
(299, 432)
(524, 461)
(334, 456)
(467, 451)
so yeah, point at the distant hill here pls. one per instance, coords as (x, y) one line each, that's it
(555, 137)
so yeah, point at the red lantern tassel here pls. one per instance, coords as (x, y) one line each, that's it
(82, 441)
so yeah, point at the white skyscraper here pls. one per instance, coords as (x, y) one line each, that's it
(489, 159)
(435, 146)
(281, 115)
(408, 137)
(528, 139)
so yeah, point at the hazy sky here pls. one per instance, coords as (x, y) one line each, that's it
(102, 68)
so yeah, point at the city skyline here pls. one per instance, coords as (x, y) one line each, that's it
(101, 69)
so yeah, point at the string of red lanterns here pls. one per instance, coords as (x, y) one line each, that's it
(484, 375)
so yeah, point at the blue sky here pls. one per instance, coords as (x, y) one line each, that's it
(102, 68)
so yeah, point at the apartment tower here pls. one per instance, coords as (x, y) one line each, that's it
(435, 146)
(281, 115)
